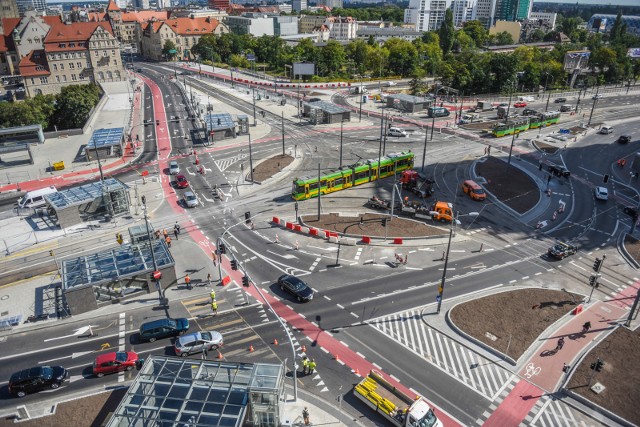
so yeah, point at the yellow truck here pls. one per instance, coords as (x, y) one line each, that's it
(395, 406)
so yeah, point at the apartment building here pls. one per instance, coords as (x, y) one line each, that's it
(307, 23)
(9, 9)
(463, 11)
(184, 32)
(426, 15)
(342, 27)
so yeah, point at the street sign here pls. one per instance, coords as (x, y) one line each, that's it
(250, 57)
(157, 275)
(437, 298)
(173, 51)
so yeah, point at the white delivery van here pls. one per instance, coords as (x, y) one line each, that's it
(35, 198)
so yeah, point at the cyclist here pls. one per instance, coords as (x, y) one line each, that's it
(586, 327)
(560, 343)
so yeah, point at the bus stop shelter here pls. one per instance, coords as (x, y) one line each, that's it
(105, 143)
(15, 144)
(220, 126)
(320, 112)
(408, 103)
(115, 274)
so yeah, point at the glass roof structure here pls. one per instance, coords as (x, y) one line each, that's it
(219, 121)
(106, 138)
(328, 107)
(408, 98)
(175, 391)
(83, 194)
(117, 263)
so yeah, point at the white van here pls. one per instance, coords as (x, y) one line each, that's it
(527, 98)
(606, 130)
(396, 132)
(35, 198)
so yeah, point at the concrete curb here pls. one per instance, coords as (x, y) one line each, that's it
(622, 250)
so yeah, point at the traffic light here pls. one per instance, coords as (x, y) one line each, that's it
(119, 238)
(234, 264)
(597, 264)
(247, 217)
(593, 281)
(51, 253)
(384, 222)
(245, 280)
(605, 179)
(222, 248)
(599, 365)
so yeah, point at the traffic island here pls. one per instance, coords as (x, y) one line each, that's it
(509, 184)
(269, 167)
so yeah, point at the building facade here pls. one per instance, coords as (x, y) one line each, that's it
(342, 27)
(9, 9)
(603, 23)
(426, 15)
(330, 3)
(299, 5)
(37, 5)
(485, 9)
(307, 23)
(548, 18)
(463, 11)
(381, 35)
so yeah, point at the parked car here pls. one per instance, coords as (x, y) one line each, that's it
(560, 100)
(174, 169)
(198, 342)
(520, 104)
(632, 212)
(390, 83)
(602, 193)
(597, 96)
(181, 181)
(35, 379)
(190, 199)
(295, 287)
(562, 250)
(163, 328)
(559, 171)
(624, 139)
(113, 362)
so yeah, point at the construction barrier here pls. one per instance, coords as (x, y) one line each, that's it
(275, 220)
(226, 280)
(304, 230)
(297, 227)
(289, 225)
(366, 239)
(397, 240)
(577, 310)
(327, 233)
(349, 241)
(333, 239)
(313, 231)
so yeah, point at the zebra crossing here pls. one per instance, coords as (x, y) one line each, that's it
(408, 329)
(551, 411)
(224, 164)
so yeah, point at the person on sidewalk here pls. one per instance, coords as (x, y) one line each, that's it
(305, 416)
(209, 283)
(560, 344)
(214, 307)
(213, 295)
(176, 227)
(586, 327)
(187, 281)
(175, 233)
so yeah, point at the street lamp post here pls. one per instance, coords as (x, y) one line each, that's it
(341, 125)
(153, 255)
(513, 140)
(593, 107)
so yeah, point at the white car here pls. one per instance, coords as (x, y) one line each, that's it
(606, 130)
(396, 132)
(392, 83)
(602, 193)
(197, 343)
(174, 169)
(190, 199)
(597, 96)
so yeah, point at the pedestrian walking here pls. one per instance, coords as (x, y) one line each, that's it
(187, 281)
(209, 283)
(167, 240)
(164, 233)
(157, 234)
(277, 240)
(312, 366)
(305, 416)
(565, 367)
(212, 294)
(175, 233)
(305, 365)
(297, 246)
(214, 307)
(405, 259)
(176, 227)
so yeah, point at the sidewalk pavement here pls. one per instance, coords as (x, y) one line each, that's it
(114, 110)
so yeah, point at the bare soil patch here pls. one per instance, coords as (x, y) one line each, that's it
(270, 167)
(511, 321)
(509, 184)
(620, 375)
(544, 147)
(632, 245)
(372, 225)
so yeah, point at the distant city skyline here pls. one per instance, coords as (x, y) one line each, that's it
(595, 2)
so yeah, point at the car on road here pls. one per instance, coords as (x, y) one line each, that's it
(558, 171)
(474, 190)
(529, 112)
(606, 130)
(115, 361)
(190, 199)
(520, 104)
(181, 181)
(560, 100)
(624, 139)
(562, 250)
(198, 342)
(597, 96)
(295, 287)
(38, 378)
(601, 193)
(163, 328)
(504, 104)
(397, 132)
(390, 83)
(174, 169)
(632, 212)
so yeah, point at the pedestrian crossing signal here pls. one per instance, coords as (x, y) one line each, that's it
(222, 249)
(245, 281)
(234, 264)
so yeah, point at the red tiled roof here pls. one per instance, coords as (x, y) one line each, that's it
(188, 26)
(97, 16)
(145, 15)
(76, 32)
(52, 20)
(29, 64)
(6, 41)
(112, 7)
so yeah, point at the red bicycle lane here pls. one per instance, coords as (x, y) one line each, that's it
(323, 339)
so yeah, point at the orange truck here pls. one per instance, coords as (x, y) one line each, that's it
(442, 211)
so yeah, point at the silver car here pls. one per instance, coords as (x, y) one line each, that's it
(174, 169)
(198, 342)
(190, 199)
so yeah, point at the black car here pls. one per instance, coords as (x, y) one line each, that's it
(38, 378)
(633, 213)
(163, 328)
(560, 100)
(295, 287)
(624, 139)
(559, 171)
(529, 112)
(562, 250)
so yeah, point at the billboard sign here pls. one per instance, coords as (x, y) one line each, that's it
(634, 52)
(576, 60)
(304, 69)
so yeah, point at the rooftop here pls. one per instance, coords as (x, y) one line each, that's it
(328, 107)
(219, 121)
(105, 138)
(82, 194)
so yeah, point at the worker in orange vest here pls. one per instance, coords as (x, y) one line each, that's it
(187, 281)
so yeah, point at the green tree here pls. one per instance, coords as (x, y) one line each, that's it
(332, 57)
(169, 50)
(536, 36)
(447, 32)
(503, 38)
(358, 51)
(463, 42)
(73, 105)
(417, 84)
(403, 56)
(476, 31)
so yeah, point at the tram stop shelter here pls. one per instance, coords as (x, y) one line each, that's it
(105, 143)
(116, 274)
(220, 126)
(319, 112)
(175, 391)
(408, 103)
(87, 202)
(15, 144)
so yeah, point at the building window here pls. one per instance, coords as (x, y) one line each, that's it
(81, 76)
(58, 79)
(33, 81)
(100, 75)
(61, 66)
(39, 68)
(44, 80)
(79, 65)
(64, 78)
(74, 77)
(104, 53)
(55, 67)
(72, 45)
(71, 66)
(62, 45)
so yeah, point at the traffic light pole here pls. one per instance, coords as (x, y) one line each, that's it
(444, 271)
(593, 280)
(153, 255)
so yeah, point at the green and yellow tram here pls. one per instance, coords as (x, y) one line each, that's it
(357, 174)
(516, 125)
(544, 119)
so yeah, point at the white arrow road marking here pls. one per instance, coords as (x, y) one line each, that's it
(78, 331)
(73, 356)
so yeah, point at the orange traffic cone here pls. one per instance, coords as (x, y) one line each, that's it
(304, 348)
(337, 358)
(275, 341)
(251, 348)
(220, 356)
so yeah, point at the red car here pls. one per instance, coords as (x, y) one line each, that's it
(181, 181)
(114, 362)
(520, 104)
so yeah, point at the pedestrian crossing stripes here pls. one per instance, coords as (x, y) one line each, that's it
(408, 329)
(551, 411)
(504, 392)
(226, 163)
